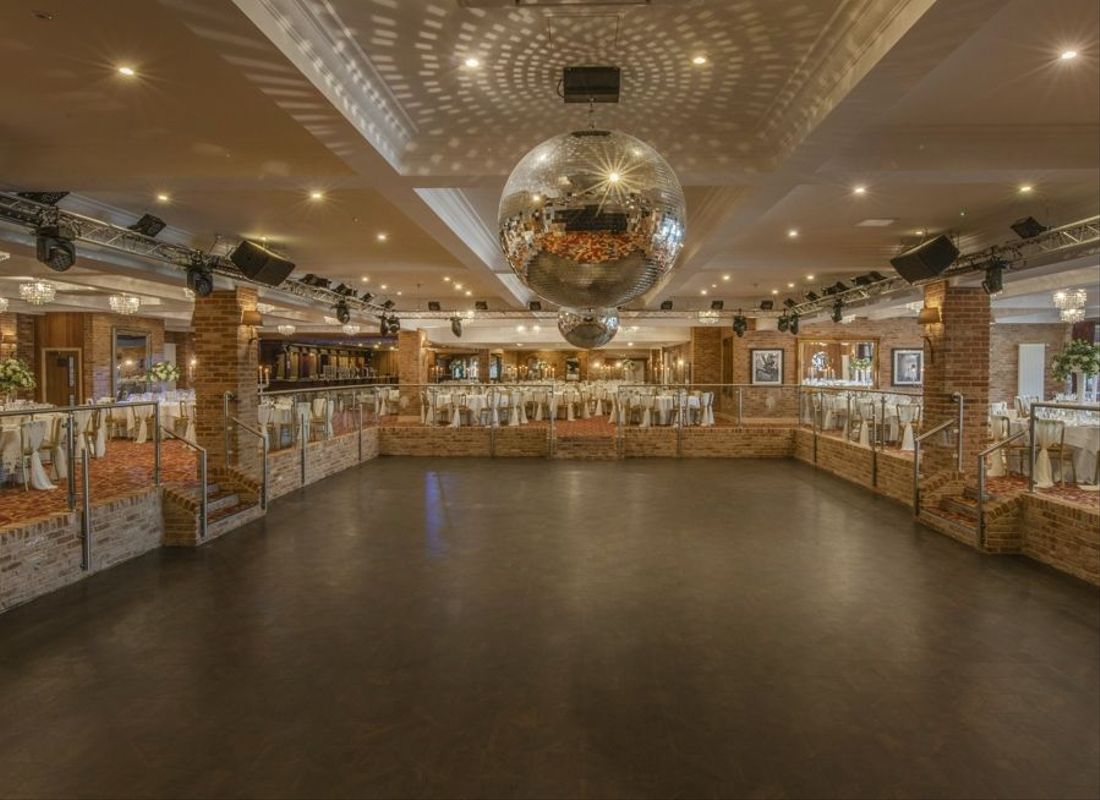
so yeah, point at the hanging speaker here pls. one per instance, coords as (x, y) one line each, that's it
(926, 260)
(260, 264)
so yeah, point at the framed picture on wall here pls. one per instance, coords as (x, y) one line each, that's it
(908, 367)
(766, 367)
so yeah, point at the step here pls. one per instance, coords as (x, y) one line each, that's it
(971, 493)
(225, 513)
(212, 488)
(948, 524)
(960, 507)
(218, 502)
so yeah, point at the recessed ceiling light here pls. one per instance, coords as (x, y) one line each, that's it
(725, 277)
(714, 286)
(630, 344)
(1025, 188)
(399, 294)
(859, 190)
(458, 285)
(775, 291)
(699, 60)
(1068, 55)
(469, 293)
(876, 222)
(792, 233)
(472, 62)
(382, 237)
(702, 291)
(365, 279)
(163, 198)
(613, 177)
(315, 195)
(790, 285)
(446, 278)
(384, 287)
(809, 277)
(129, 72)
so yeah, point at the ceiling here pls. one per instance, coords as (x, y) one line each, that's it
(241, 111)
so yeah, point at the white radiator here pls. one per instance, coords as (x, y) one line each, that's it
(1032, 371)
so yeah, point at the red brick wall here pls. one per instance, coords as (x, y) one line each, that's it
(185, 351)
(1004, 342)
(706, 354)
(98, 335)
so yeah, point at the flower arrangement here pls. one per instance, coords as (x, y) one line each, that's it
(15, 375)
(1077, 356)
(163, 372)
(861, 363)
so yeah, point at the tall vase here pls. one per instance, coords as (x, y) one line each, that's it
(1078, 387)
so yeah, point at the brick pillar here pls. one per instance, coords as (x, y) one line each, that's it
(956, 359)
(410, 369)
(483, 366)
(227, 362)
(706, 354)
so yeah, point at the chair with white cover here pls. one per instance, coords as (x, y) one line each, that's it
(908, 417)
(865, 415)
(1050, 441)
(1000, 428)
(32, 435)
(706, 411)
(56, 444)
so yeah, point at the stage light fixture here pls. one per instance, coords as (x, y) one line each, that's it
(717, 305)
(456, 326)
(740, 324)
(783, 323)
(838, 311)
(200, 279)
(666, 305)
(481, 305)
(790, 302)
(389, 325)
(367, 297)
(994, 277)
(840, 286)
(1028, 227)
(792, 325)
(388, 305)
(767, 305)
(343, 289)
(343, 313)
(811, 296)
(534, 305)
(433, 305)
(148, 225)
(45, 198)
(55, 248)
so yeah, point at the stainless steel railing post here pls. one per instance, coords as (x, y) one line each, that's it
(981, 502)
(156, 444)
(916, 477)
(303, 436)
(958, 398)
(203, 498)
(740, 405)
(263, 473)
(86, 517)
(359, 409)
(225, 426)
(70, 452)
(1031, 451)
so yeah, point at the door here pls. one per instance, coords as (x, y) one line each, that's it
(61, 377)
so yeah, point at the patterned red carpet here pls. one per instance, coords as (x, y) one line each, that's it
(1016, 484)
(126, 468)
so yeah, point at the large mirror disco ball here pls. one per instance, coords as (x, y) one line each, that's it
(588, 328)
(592, 219)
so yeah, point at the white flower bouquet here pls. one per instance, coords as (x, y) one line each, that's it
(163, 372)
(15, 375)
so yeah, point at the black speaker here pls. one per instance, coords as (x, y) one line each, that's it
(1028, 227)
(926, 260)
(259, 264)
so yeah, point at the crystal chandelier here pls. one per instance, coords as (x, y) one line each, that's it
(38, 292)
(265, 308)
(1072, 314)
(125, 304)
(350, 329)
(709, 317)
(189, 293)
(1070, 298)
(286, 330)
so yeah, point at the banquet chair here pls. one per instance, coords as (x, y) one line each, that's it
(460, 409)
(485, 411)
(865, 417)
(56, 445)
(1050, 441)
(909, 415)
(32, 435)
(320, 418)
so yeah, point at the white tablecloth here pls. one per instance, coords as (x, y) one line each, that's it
(1085, 441)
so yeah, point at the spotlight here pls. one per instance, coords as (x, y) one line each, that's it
(433, 305)
(717, 305)
(868, 279)
(343, 314)
(767, 305)
(388, 305)
(534, 305)
(481, 305)
(840, 286)
(389, 325)
(740, 324)
(838, 310)
(200, 280)
(666, 305)
(811, 296)
(994, 277)
(783, 323)
(792, 325)
(54, 248)
(367, 297)
(313, 280)
(456, 326)
(1028, 227)
(148, 225)
(344, 290)
(790, 302)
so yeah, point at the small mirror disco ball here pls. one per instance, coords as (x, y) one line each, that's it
(588, 328)
(592, 219)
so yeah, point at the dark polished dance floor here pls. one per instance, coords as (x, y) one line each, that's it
(539, 629)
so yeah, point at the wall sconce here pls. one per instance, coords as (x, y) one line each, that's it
(253, 319)
(929, 315)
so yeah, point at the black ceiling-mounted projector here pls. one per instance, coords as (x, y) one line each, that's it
(590, 84)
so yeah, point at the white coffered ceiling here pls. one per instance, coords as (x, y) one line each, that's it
(240, 109)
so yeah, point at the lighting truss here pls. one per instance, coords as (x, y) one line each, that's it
(1067, 241)
(26, 213)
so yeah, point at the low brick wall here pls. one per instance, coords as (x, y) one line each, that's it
(852, 462)
(649, 443)
(45, 555)
(521, 442)
(323, 458)
(415, 440)
(1065, 536)
(739, 442)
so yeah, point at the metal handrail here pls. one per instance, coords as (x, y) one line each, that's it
(263, 462)
(916, 458)
(1092, 408)
(993, 448)
(202, 480)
